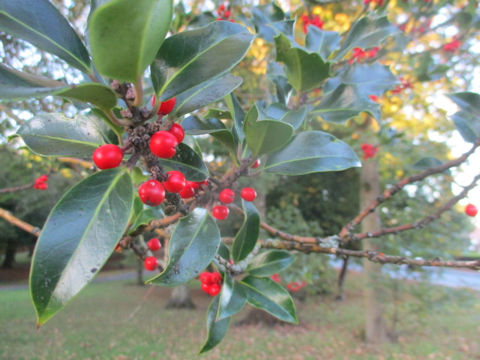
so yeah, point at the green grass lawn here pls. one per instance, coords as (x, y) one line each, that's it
(118, 320)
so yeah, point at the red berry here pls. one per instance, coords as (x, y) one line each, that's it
(151, 192)
(276, 278)
(154, 244)
(176, 182)
(220, 212)
(205, 287)
(163, 144)
(166, 107)
(471, 210)
(256, 164)
(226, 196)
(154, 100)
(177, 131)
(107, 156)
(41, 179)
(221, 8)
(215, 278)
(188, 191)
(41, 186)
(248, 194)
(205, 277)
(214, 289)
(150, 263)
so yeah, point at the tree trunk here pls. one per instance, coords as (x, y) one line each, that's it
(375, 329)
(9, 255)
(341, 280)
(180, 298)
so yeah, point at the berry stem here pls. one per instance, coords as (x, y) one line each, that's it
(138, 86)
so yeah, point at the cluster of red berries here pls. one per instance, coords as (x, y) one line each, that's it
(224, 13)
(369, 151)
(276, 278)
(41, 183)
(211, 282)
(452, 46)
(471, 210)
(404, 84)
(377, 2)
(151, 263)
(307, 20)
(360, 54)
(227, 196)
(295, 286)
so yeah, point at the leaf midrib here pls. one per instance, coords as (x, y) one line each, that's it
(82, 238)
(87, 68)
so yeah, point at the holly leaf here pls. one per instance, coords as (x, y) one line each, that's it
(305, 69)
(232, 298)
(366, 33)
(193, 245)
(322, 42)
(312, 151)
(265, 135)
(145, 216)
(216, 329)
(124, 39)
(269, 262)
(206, 93)
(467, 120)
(238, 117)
(78, 237)
(53, 134)
(187, 161)
(352, 89)
(17, 85)
(267, 295)
(190, 58)
(194, 126)
(41, 24)
(247, 236)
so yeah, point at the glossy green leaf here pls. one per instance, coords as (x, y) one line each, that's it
(263, 18)
(42, 25)
(216, 329)
(78, 237)
(351, 91)
(427, 163)
(125, 37)
(247, 236)
(187, 161)
(190, 58)
(206, 93)
(224, 251)
(17, 85)
(267, 135)
(312, 151)
(267, 295)
(269, 262)
(194, 126)
(232, 298)
(366, 33)
(218, 114)
(467, 120)
(305, 70)
(238, 117)
(145, 216)
(322, 42)
(193, 245)
(344, 103)
(297, 117)
(53, 134)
